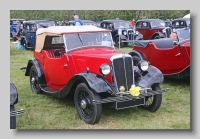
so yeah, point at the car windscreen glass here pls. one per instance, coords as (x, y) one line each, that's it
(15, 23)
(74, 41)
(156, 24)
(188, 23)
(121, 25)
(183, 34)
(45, 25)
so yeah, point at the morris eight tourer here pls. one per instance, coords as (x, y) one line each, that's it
(170, 55)
(82, 60)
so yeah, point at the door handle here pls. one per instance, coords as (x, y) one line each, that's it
(64, 66)
(178, 54)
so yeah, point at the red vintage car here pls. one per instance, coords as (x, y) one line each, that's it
(82, 60)
(171, 56)
(150, 28)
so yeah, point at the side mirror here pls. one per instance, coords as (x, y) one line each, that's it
(57, 52)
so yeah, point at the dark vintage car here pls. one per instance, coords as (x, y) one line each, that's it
(13, 25)
(13, 102)
(85, 22)
(181, 23)
(29, 31)
(170, 55)
(150, 28)
(86, 64)
(168, 23)
(128, 35)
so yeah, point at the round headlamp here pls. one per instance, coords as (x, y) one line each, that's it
(143, 65)
(124, 32)
(105, 69)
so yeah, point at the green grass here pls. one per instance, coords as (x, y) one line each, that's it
(46, 112)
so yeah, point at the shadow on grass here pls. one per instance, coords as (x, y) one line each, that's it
(177, 81)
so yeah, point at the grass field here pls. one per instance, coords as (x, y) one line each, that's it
(46, 112)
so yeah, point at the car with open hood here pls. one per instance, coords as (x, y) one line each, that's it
(82, 60)
(122, 33)
(170, 55)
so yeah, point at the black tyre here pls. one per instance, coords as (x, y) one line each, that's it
(34, 81)
(87, 111)
(117, 43)
(136, 59)
(157, 37)
(153, 102)
(25, 44)
(12, 118)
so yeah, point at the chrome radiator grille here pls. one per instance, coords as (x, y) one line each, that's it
(122, 70)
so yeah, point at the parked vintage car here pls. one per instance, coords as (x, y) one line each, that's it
(150, 28)
(13, 102)
(13, 25)
(85, 22)
(128, 34)
(181, 23)
(29, 31)
(171, 56)
(86, 64)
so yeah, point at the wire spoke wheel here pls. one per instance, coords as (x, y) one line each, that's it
(34, 83)
(87, 111)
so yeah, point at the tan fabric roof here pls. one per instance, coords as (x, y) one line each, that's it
(69, 29)
(41, 33)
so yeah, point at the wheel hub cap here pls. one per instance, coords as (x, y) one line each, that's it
(33, 80)
(83, 104)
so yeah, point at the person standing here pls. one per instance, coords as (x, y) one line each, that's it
(18, 29)
(133, 24)
(77, 22)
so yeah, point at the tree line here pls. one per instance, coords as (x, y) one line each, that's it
(97, 15)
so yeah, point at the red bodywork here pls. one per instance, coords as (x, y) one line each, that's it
(59, 70)
(148, 33)
(168, 60)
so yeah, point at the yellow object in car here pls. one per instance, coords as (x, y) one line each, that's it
(134, 91)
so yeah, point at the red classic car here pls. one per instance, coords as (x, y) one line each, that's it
(150, 28)
(170, 55)
(83, 60)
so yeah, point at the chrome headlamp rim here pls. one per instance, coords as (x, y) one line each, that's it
(143, 65)
(105, 69)
(124, 32)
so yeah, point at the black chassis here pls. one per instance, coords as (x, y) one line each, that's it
(99, 85)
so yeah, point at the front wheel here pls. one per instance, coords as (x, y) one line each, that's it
(90, 113)
(153, 102)
(136, 59)
(157, 37)
(117, 42)
(34, 83)
(25, 44)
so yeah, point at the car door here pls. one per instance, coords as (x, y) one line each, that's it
(142, 27)
(56, 67)
(31, 35)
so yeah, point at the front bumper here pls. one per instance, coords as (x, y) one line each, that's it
(131, 101)
(17, 112)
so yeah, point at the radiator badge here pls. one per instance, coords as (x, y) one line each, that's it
(122, 89)
(134, 91)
